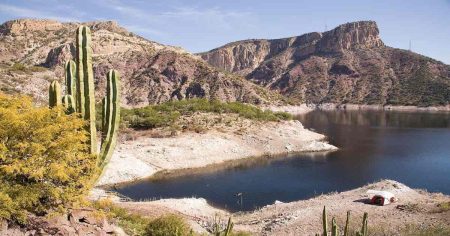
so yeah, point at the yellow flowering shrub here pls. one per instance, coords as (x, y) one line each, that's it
(44, 162)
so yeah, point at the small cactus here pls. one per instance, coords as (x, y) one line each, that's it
(364, 230)
(229, 228)
(69, 104)
(347, 222)
(324, 222)
(54, 94)
(334, 228)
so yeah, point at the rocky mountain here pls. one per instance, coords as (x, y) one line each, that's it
(33, 52)
(349, 64)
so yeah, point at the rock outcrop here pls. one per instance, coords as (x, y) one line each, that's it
(150, 72)
(349, 64)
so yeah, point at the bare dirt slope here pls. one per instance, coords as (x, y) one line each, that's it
(33, 52)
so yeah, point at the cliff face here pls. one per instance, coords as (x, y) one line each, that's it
(150, 72)
(349, 64)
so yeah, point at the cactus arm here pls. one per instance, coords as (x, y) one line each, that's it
(54, 93)
(324, 221)
(70, 75)
(112, 117)
(80, 73)
(104, 116)
(69, 104)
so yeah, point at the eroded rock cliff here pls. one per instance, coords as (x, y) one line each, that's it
(349, 64)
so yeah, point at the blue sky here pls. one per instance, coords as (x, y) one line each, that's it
(202, 25)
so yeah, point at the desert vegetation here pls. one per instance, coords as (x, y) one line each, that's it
(45, 165)
(166, 114)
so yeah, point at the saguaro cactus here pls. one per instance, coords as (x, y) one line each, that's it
(111, 109)
(69, 103)
(85, 84)
(54, 94)
(71, 79)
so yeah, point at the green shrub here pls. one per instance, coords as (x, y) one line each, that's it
(166, 114)
(170, 225)
(132, 224)
(44, 163)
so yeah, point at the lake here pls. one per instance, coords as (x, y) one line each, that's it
(412, 148)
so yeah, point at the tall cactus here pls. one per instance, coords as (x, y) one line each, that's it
(85, 84)
(54, 94)
(81, 98)
(111, 109)
(69, 104)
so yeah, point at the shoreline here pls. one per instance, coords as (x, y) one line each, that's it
(305, 108)
(146, 156)
(303, 217)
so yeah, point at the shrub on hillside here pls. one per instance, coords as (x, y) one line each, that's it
(167, 113)
(44, 163)
(170, 225)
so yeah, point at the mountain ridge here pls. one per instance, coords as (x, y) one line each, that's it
(151, 72)
(348, 64)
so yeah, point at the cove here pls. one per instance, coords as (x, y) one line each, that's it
(410, 147)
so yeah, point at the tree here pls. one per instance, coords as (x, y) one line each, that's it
(45, 163)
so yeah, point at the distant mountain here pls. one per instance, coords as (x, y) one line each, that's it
(33, 52)
(349, 64)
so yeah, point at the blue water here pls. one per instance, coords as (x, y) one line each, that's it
(413, 148)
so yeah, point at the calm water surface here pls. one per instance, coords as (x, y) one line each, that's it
(413, 148)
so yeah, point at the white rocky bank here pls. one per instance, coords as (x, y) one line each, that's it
(145, 156)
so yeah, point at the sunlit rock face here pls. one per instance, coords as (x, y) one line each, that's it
(349, 64)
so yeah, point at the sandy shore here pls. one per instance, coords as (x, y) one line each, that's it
(305, 108)
(146, 156)
(414, 207)
(332, 106)
(294, 110)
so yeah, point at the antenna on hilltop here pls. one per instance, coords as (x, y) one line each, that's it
(410, 45)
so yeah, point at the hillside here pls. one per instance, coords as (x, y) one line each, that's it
(33, 52)
(349, 64)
